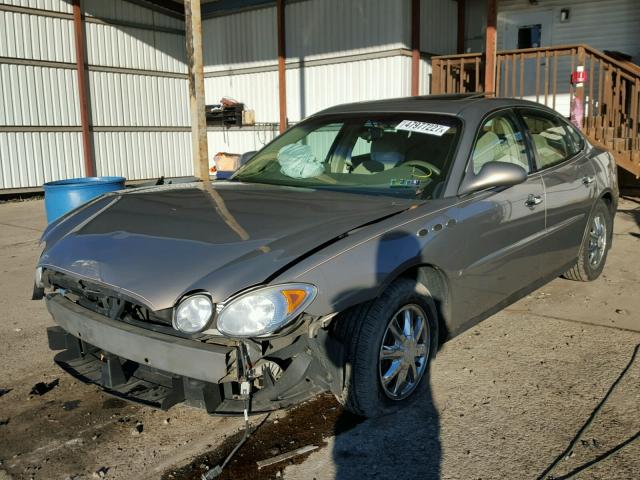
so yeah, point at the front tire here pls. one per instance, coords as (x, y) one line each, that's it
(389, 343)
(595, 246)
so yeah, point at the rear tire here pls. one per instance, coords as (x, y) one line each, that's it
(595, 246)
(384, 342)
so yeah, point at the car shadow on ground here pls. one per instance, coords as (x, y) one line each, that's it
(405, 444)
(633, 214)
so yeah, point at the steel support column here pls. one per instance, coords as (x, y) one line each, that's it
(282, 55)
(193, 31)
(490, 48)
(415, 47)
(83, 89)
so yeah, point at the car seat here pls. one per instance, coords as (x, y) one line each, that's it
(386, 152)
(547, 155)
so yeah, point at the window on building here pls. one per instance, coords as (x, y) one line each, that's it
(529, 36)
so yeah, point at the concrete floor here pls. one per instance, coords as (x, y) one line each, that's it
(506, 398)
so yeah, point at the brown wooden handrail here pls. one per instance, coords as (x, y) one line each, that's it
(606, 106)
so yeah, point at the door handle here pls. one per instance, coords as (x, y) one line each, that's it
(588, 180)
(533, 200)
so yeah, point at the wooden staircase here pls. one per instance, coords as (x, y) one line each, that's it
(609, 98)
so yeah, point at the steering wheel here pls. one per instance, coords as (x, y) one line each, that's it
(422, 165)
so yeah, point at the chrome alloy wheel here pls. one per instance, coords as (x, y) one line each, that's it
(404, 352)
(597, 240)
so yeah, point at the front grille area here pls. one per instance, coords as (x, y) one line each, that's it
(116, 306)
(109, 303)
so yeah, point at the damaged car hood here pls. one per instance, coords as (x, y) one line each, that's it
(156, 244)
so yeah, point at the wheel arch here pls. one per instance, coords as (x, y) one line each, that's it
(436, 281)
(607, 196)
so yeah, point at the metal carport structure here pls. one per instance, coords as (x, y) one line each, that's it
(139, 92)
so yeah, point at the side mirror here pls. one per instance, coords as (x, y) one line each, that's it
(493, 174)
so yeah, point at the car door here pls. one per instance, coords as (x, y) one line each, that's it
(568, 178)
(499, 232)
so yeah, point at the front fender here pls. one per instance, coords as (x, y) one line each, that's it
(359, 267)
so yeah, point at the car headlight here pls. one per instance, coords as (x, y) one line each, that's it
(193, 313)
(264, 310)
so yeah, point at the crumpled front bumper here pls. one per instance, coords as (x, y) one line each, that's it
(161, 370)
(181, 356)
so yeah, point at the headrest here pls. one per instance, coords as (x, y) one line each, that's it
(388, 149)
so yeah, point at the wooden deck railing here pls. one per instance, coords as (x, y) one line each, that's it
(609, 98)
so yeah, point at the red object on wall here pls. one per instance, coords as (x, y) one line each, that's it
(578, 77)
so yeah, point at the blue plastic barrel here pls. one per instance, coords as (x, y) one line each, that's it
(63, 196)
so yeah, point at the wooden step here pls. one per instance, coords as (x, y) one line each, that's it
(627, 159)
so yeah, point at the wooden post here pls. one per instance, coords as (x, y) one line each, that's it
(282, 55)
(415, 47)
(577, 104)
(199, 146)
(462, 7)
(436, 66)
(83, 88)
(490, 48)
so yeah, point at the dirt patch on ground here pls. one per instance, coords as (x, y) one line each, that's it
(310, 423)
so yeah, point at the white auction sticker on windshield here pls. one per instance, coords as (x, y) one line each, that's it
(423, 127)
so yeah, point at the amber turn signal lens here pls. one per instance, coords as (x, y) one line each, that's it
(294, 298)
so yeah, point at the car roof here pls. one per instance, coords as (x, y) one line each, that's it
(458, 104)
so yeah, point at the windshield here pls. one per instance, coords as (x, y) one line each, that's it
(406, 155)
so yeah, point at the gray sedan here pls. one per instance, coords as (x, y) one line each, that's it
(338, 258)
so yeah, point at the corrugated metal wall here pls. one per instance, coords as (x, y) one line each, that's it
(32, 158)
(318, 87)
(135, 48)
(337, 51)
(40, 137)
(240, 140)
(475, 25)
(438, 21)
(52, 5)
(240, 40)
(36, 37)
(34, 95)
(140, 104)
(138, 91)
(314, 88)
(148, 154)
(331, 28)
(121, 99)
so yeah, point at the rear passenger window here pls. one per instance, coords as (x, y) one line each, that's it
(551, 139)
(500, 140)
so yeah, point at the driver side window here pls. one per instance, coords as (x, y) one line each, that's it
(500, 140)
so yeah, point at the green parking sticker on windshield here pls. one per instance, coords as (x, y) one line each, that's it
(423, 127)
